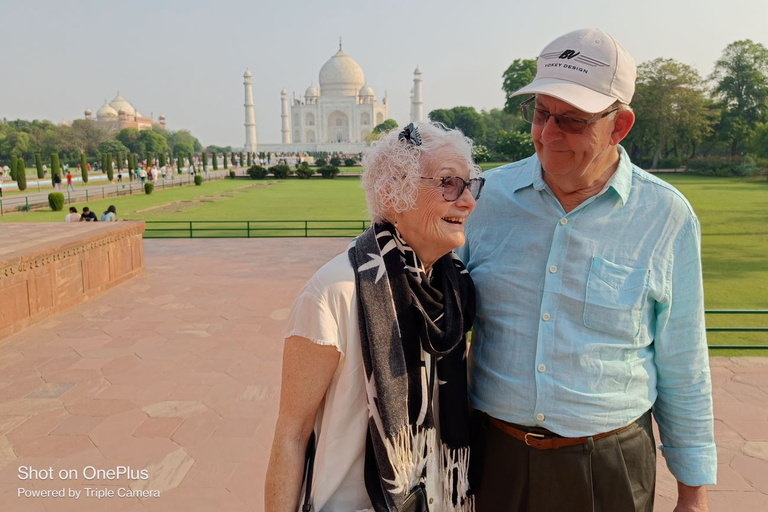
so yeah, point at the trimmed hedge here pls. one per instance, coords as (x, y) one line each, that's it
(722, 167)
(148, 188)
(280, 172)
(198, 180)
(257, 172)
(329, 171)
(303, 172)
(56, 201)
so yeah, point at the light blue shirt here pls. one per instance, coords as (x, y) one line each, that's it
(587, 319)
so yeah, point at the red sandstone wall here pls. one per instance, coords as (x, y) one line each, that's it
(62, 266)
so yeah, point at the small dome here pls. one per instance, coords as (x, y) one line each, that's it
(366, 91)
(161, 117)
(64, 123)
(119, 104)
(417, 71)
(283, 93)
(88, 112)
(341, 76)
(247, 74)
(106, 111)
(312, 91)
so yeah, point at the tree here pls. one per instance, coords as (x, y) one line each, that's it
(14, 167)
(519, 74)
(55, 170)
(389, 124)
(741, 78)
(671, 107)
(129, 137)
(39, 166)
(112, 146)
(21, 174)
(152, 141)
(106, 161)
(467, 119)
(84, 167)
(515, 145)
(225, 160)
(205, 160)
(442, 115)
(215, 160)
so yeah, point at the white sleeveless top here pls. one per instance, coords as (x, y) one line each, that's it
(325, 312)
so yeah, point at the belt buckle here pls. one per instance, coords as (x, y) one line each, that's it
(540, 436)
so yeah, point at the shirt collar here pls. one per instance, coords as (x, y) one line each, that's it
(621, 181)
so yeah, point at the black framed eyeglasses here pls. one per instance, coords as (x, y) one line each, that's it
(575, 125)
(453, 186)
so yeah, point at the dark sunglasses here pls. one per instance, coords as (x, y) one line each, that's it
(568, 124)
(453, 186)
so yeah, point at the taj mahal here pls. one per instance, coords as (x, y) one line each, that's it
(335, 116)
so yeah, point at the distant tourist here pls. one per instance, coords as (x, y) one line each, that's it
(57, 181)
(88, 215)
(69, 182)
(119, 175)
(110, 215)
(72, 216)
(143, 175)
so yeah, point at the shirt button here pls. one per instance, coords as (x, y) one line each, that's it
(431, 500)
(563, 222)
(553, 269)
(540, 417)
(545, 317)
(542, 368)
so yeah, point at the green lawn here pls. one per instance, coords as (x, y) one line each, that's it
(733, 214)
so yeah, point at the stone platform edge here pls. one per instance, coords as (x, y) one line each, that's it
(42, 280)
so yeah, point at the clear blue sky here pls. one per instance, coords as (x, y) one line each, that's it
(185, 59)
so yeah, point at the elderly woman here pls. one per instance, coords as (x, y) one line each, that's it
(374, 353)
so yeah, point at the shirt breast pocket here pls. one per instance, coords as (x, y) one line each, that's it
(615, 297)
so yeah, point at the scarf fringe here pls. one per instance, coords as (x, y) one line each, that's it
(407, 453)
(410, 453)
(458, 460)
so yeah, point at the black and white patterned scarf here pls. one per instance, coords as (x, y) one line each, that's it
(413, 331)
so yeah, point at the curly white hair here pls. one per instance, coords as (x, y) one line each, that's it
(392, 167)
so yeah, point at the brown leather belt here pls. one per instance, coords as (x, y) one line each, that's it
(544, 442)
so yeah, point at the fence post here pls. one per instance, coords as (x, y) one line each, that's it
(306, 229)
(191, 235)
(249, 228)
(26, 199)
(69, 199)
(86, 195)
(1, 207)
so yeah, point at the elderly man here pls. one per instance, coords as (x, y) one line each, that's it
(590, 306)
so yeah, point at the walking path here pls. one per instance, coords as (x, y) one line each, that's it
(177, 372)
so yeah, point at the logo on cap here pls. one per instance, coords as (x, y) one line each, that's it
(576, 56)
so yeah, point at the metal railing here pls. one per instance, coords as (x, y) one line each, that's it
(737, 329)
(254, 228)
(19, 202)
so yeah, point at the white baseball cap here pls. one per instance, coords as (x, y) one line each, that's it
(587, 68)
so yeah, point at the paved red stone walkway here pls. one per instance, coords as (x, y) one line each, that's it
(176, 372)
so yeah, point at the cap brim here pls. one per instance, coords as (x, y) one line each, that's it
(574, 94)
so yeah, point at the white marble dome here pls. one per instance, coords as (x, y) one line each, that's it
(105, 112)
(312, 92)
(119, 103)
(366, 90)
(341, 76)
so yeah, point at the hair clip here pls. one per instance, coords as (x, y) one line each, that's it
(411, 135)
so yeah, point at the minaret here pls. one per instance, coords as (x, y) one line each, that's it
(250, 117)
(410, 102)
(285, 117)
(417, 108)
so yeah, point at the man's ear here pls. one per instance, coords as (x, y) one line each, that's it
(625, 119)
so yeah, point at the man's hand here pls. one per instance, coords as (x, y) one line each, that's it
(691, 499)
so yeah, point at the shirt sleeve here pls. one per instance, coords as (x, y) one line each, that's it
(312, 317)
(683, 408)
